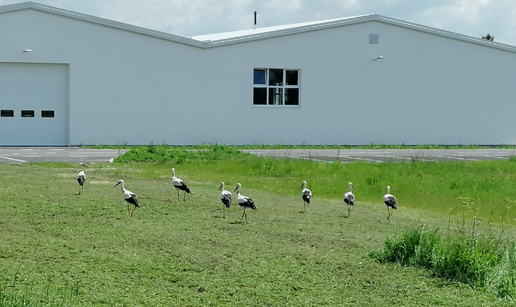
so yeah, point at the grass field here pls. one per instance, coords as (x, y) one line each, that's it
(61, 249)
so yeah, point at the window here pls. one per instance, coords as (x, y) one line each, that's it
(276, 87)
(27, 113)
(7, 113)
(47, 113)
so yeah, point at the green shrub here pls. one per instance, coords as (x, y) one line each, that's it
(482, 263)
(162, 153)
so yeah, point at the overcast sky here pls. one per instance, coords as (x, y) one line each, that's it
(197, 17)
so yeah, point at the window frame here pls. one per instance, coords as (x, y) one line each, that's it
(27, 113)
(281, 88)
(46, 113)
(7, 113)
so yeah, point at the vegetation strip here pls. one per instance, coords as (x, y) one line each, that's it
(59, 248)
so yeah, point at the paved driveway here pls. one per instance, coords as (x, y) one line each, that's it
(381, 155)
(77, 154)
(58, 154)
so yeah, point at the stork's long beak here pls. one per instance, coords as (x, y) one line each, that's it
(236, 188)
(117, 184)
(220, 187)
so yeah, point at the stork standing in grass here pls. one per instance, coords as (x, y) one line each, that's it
(306, 194)
(349, 198)
(244, 202)
(179, 184)
(225, 197)
(81, 178)
(130, 198)
(390, 202)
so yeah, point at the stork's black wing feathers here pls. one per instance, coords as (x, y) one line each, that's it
(349, 200)
(226, 201)
(133, 200)
(81, 180)
(183, 187)
(391, 202)
(306, 198)
(248, 203)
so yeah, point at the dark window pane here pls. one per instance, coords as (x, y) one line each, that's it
(259, 76)
(27, 113)
(276, 96)
(276, 77)
(291, 76)
(260, 96)
(292, 96)
(7, 113)
(47, 113)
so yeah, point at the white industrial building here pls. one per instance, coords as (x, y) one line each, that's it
(68, 79)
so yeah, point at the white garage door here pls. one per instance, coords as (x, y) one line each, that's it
(33, 104)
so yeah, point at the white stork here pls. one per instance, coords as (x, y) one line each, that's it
(130, 198)
(225, 197)
(390, 202)
(349, 198)
(81, 178)
(244, 202)
(306, 194)
(179, 184)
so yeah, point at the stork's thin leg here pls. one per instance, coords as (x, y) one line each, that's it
(184, 196)
(388, 213)
(128, 210)
(133, 211)
(243, 214)
(349, 210)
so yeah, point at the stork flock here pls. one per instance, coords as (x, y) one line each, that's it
(244, 202)
(349, 198)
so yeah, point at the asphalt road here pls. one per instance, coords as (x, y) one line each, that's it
(77, 154)
(382, 155)
(15, 155)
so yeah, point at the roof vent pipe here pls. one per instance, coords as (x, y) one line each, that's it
(255, 13)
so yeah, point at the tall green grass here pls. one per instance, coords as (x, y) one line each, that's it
(477, 188)
(484, 263)
(162, 153)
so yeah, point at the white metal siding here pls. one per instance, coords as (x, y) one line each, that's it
(137, 88)
(34, 87)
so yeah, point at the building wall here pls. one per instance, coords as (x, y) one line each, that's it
(136, 89)
(428, 90)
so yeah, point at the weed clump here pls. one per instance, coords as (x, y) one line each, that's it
(482, 263)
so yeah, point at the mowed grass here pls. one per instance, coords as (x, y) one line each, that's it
(61, 249)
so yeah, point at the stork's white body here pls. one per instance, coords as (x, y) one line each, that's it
(179, 184)
(349, 198)
(225, 196)
(306, 194)
(390, 202)
(130, 198)
(81, 178)
(244, 201)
